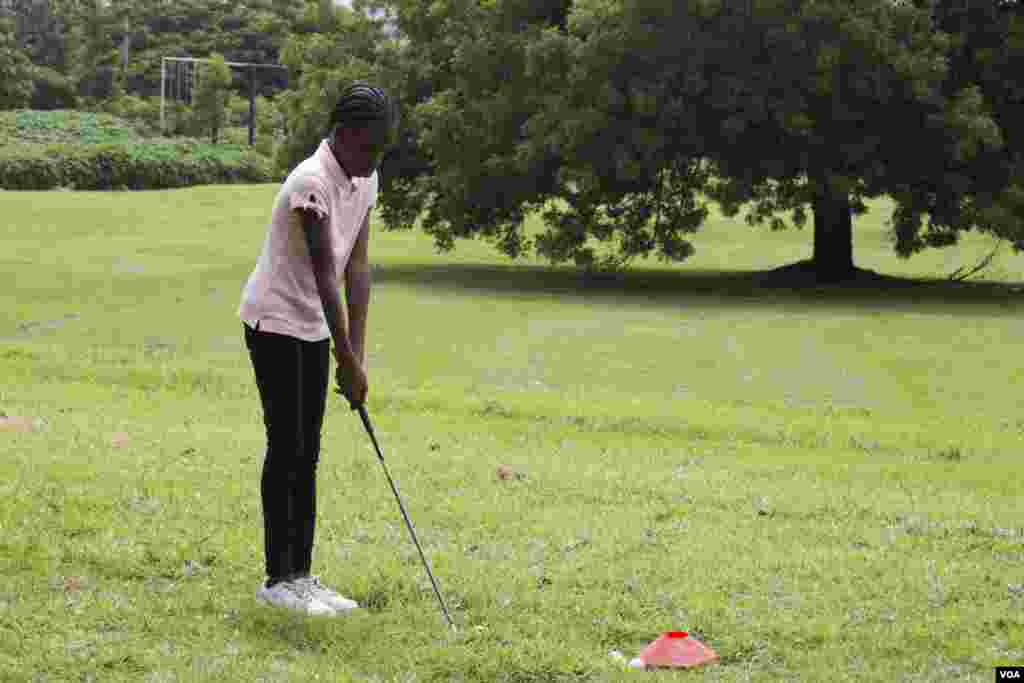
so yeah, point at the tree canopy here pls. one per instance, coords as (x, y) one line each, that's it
(126, 39)
(15, 70)
(211, 98)
(620, 119)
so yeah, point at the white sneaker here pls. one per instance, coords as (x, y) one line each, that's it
(295, 596)
(338, 603)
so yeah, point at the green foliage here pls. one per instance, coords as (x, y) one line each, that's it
(269, 122)
(213, 95)
(42, 31)
(623, 117)
(47, 150)
(94, 54)
(144, 112)
(59, 127)
(986, 74)
(85, 41)
(52, 90)
(238, 110)
(328, 63)
(250, 32)
(98, 84)
(26, 167)
(112, 166)
(269, 119)
(15, 70)
(269, 126)
(327, 16)
(179, 118)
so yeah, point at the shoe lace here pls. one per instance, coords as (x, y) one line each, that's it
(302, 588)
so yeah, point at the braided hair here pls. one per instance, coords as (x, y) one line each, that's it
(362, 104)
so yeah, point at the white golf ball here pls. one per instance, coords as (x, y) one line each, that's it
(637, 663)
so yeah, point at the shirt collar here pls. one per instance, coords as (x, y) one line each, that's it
(334, 170)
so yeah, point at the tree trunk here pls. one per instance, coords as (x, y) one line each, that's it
(833, 238)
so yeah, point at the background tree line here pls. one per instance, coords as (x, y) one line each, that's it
(618, 120)
(106, 47)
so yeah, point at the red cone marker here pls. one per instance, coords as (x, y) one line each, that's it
(675, 649)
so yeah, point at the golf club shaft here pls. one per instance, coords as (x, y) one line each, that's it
(405, 515)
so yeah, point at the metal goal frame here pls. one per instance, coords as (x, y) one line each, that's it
(250, 69)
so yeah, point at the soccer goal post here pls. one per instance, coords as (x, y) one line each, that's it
(182, 83)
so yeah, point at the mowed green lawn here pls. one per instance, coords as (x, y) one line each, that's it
(821, 485)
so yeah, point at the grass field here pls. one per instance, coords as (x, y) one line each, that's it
(821, 484)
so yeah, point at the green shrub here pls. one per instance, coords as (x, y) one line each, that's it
(52, 90)
(99, 84)
(27, 167)
(136, 166)
(181, 119)
(41, 150)
(59, 126)
(265, 145)
(144, 112)
(238, 111)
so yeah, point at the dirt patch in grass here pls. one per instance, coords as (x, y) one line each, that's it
(15, 423)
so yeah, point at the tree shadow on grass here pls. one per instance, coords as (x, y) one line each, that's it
(788, 286)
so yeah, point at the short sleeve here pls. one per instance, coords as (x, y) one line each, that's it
(308, 193)
(373, 183)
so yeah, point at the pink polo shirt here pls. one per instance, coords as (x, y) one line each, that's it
(281, 292)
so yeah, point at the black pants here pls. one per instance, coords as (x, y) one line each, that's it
(292, 377)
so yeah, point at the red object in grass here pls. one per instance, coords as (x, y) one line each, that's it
(677, 649)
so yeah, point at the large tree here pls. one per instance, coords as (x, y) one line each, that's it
(620, 117)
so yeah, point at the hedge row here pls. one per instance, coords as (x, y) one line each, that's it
(136, 165)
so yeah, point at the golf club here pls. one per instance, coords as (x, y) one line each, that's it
(405, 515)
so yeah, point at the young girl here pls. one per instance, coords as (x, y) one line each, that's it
(291, 309)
